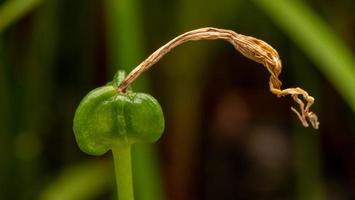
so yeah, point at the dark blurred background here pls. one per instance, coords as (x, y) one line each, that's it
(226, 137)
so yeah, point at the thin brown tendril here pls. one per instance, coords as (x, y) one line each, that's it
(252, 48)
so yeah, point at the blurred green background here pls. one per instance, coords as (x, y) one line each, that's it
(226, 137)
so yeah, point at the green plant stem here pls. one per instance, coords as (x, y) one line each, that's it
(125, 41)
(123, 169)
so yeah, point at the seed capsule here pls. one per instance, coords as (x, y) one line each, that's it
(106, 117)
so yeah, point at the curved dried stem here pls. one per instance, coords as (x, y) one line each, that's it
(252, 48)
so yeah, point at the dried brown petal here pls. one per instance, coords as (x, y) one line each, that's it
(252, 48)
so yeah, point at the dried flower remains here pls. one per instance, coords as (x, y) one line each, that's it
(252, 48)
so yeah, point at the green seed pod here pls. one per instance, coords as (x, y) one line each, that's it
(106, 117)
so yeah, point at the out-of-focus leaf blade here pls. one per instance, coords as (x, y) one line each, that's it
(79, 182)
(10, 11)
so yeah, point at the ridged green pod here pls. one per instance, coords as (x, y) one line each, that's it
(106, 117)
